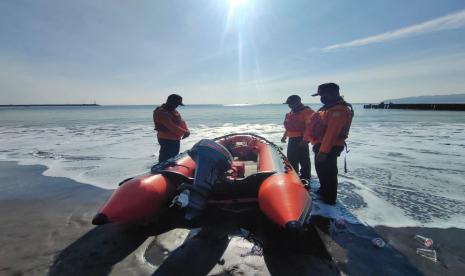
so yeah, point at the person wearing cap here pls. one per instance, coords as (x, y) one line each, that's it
(295, 124)
(170, 127)
(327, 131)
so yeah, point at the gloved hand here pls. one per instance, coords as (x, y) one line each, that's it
(186, 134)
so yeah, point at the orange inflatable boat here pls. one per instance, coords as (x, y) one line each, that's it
(226, 171)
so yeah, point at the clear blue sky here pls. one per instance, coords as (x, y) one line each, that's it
(228, 51)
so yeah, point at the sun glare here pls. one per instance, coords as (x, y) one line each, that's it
(237, 3)
(237, 6)
(238, 13)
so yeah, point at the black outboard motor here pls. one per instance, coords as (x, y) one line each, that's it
(212, 161)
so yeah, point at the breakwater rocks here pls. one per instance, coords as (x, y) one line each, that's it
(450, 107)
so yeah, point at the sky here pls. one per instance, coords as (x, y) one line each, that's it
(228, 51)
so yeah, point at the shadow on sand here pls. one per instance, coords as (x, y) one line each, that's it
(316, 251)
(98, 250)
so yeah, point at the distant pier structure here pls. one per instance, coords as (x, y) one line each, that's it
(441, 106)
(45, 105)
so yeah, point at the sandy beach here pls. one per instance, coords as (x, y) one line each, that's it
(45, 229)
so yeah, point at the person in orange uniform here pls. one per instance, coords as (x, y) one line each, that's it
(295, 124)
(328, 130)
(170, 127)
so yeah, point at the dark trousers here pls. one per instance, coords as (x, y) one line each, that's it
(327, 173)
(168, 149)
(298, 154)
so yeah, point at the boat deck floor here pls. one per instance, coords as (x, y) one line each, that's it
(250, 168)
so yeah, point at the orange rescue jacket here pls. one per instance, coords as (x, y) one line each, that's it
(330, 127)
(169, 124)
(296, 123)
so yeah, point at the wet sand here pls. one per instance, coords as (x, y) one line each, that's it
(45, 223)
(449, 244)
(45, 229)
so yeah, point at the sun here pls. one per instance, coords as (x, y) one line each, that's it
(237, 6)
(237, 3)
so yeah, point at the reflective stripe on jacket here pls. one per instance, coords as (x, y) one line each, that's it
(329, 127)
(295, 123)
(169, 124)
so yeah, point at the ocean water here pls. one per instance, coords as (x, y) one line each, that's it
(406, 168)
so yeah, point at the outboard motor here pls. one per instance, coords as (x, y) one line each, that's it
(212, 161)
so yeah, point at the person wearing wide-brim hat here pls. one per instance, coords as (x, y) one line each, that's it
(328, 130)
(295, 124)
(170, 127)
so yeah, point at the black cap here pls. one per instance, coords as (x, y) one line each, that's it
(327, 88)
(293, 99)
(174, 98)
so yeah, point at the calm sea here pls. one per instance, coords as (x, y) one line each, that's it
(406, 168)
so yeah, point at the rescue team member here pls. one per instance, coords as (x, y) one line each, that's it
(295, 124)
(170, 126)
(328, 130)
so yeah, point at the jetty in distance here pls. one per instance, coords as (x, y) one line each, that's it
(44, 105)
(423, 106)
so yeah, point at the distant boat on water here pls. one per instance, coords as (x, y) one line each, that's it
(240, 104)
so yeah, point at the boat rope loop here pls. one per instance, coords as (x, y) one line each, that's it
(345, 157)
